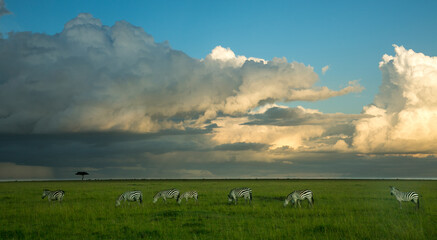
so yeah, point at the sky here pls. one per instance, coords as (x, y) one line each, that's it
(218, 89)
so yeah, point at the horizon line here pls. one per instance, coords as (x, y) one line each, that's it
(221, 179)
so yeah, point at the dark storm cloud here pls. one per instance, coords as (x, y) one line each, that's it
(103, 148)
(299, 116)
(186, 156)
(241, 146)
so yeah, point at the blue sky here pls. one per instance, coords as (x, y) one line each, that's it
(349, 36)
(95, 94)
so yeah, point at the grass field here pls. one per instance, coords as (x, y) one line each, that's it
(344, 209)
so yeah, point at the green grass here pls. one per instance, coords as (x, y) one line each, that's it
(344, 209)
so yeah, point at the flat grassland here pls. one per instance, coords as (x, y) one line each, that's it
(344, 209)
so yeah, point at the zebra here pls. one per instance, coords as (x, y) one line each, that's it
(171, 193)
(299, 195)
(236, 193)
(130, 197)
(53, 195)
(405, 196)
(186, 195)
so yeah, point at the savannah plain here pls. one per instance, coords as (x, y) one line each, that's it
(343, 209)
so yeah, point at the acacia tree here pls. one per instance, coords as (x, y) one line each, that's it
(82, 173)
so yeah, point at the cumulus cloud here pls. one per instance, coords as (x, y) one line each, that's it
(288, 130)
(92, 77)
(233, 130)
(226, 57)
(3, 10)
(80, 98)
(405, 109)
(279, 80)
(325, 69)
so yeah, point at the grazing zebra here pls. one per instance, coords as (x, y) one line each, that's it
(186, 195)
(130, 197)
(236, 193)
(405, 196)
(53, 195)
(171, 193)
(297, 196)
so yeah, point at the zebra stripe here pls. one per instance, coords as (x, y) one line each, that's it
(187, 195)
(299, 195)
(57, 195)
(405, 196)
(130, 197)
(171, 193)
(236, 193)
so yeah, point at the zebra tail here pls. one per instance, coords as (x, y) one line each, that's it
(312, 199)
(418, 201)
(141, 198)
(250, 194)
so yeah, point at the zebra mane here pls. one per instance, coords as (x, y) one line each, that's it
(120, 197)
(157, 195)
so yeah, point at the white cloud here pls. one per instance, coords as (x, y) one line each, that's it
(405, 109)
(233, 130)
(325, 68)
(322, 93)
(226, 57)
(92, 77)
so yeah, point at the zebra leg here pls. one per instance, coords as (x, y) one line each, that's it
(298, 202)
(235, 201)
(400, 205)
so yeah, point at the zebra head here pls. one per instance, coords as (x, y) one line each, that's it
(230, 198)
(45, 192)
(117, 203)
(392, 190)
(286, 202)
